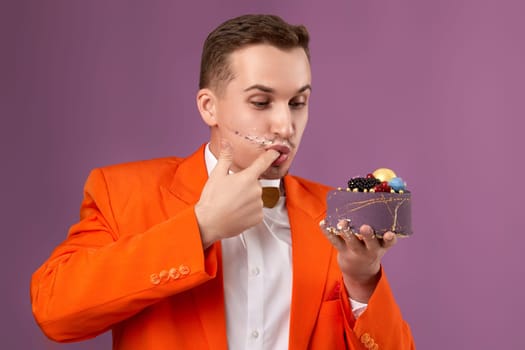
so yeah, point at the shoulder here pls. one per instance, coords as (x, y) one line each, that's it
(157, 165)
(143, 172)
(306, 186)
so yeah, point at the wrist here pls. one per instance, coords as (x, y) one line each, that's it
(203, 231)
(361, 289)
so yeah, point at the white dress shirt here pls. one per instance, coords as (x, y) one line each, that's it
(257, 272)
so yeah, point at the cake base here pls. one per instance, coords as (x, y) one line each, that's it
(383, 211)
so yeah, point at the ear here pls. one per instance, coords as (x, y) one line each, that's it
(206, 102)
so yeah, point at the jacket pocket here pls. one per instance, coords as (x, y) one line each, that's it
(329, 333)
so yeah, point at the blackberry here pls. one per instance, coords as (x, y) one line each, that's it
(363, 183)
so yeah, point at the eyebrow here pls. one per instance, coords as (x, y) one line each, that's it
(270, 90)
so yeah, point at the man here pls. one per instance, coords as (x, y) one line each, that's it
(181, 254)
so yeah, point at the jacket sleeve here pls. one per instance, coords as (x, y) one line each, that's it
(381, 323)
(97, 278)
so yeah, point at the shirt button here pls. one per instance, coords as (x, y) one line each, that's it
(255, 334)
(255, 271)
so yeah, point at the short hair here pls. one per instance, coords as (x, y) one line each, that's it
(240, 32)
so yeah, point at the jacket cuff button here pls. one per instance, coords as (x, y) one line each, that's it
(174, 273)
(154, 278)
(184, 270)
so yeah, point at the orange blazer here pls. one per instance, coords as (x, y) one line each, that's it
(134, 264)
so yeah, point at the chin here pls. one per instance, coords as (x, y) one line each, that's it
(273, 173)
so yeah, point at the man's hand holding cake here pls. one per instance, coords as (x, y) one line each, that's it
(363, 222)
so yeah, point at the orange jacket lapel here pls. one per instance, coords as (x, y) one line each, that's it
(186, 185)
(305, 210)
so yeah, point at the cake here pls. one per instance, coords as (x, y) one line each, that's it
(380, 199)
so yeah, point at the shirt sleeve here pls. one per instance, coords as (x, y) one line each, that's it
(357, 307)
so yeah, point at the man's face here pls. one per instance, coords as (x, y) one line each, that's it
(264, 107)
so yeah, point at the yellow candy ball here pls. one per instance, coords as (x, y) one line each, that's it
(384, 174)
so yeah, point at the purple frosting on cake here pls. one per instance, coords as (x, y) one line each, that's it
(383, 211)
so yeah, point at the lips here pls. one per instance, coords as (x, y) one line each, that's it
(280, 160)
(284, 152)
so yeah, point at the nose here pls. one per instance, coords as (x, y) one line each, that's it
(282, 122)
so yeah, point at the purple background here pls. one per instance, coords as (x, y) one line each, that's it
(433, 89)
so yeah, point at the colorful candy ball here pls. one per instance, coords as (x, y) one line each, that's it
(397, 184)
(384, 174)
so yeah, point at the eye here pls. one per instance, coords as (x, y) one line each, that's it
(260, 104)
(297, 103)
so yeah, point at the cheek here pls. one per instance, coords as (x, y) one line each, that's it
(300, 126)
(241, 120)
(244, 155)
(251, 125)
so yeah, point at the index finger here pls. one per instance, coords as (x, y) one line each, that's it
(263, 162)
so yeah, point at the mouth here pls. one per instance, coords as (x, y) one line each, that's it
(284, 152)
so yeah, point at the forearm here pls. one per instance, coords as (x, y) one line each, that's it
(382, 321)
(91, 281)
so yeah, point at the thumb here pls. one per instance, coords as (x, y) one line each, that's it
(225, 159)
